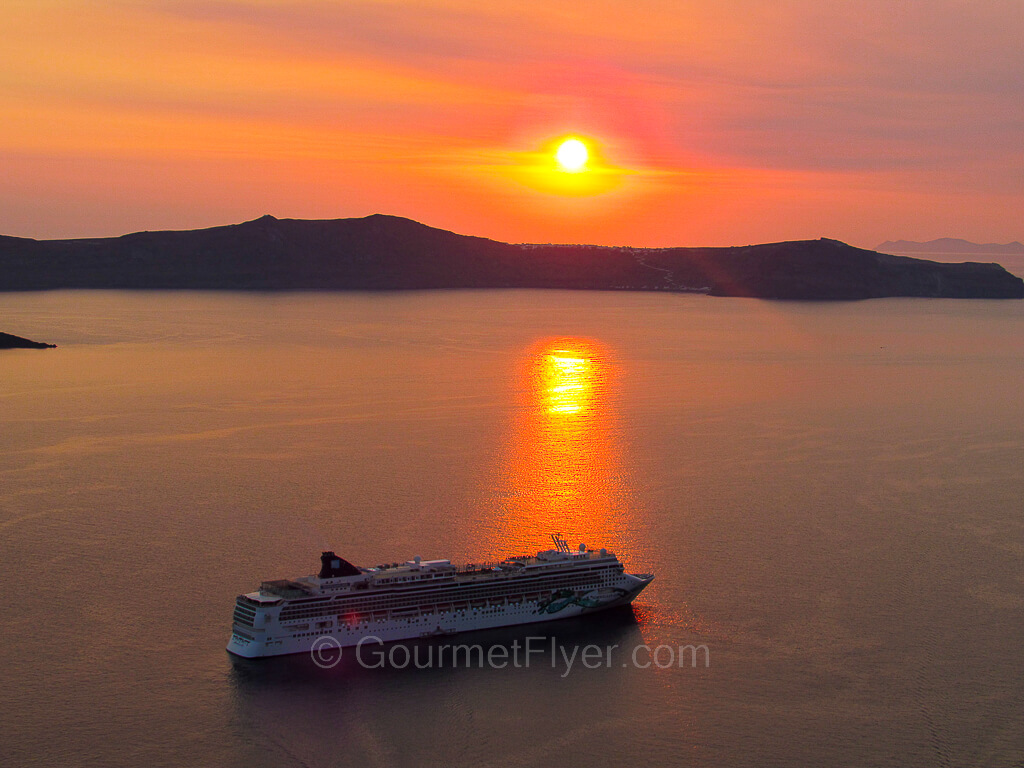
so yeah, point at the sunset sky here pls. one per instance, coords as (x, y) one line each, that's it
(709, 123)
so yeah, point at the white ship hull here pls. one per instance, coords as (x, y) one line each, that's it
(264, 629)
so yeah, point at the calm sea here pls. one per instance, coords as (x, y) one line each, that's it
(829, 494)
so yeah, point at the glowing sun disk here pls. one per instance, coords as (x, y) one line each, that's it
(572, 155)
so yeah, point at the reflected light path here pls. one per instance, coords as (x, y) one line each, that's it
(567, 382)
(563, 471)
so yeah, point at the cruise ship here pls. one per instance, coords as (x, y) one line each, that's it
(426, 598)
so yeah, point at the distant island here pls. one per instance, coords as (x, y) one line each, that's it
(9, 341)
(382, 252)
(952, 246)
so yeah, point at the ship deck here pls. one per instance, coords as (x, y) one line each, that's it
(414, 573)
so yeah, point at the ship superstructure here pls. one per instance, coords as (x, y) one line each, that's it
(425, 598)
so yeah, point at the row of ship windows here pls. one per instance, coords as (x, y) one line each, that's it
(604, 571)
(458, 607)
(322, 625)
(479, 593)
(385, 605)
(560, 578)
(418, 577)
(383, 615)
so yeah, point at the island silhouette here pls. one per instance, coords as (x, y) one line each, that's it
(382, 252)
(10, 341)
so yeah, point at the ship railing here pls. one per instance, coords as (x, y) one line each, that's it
(285, 588)
(480, 569)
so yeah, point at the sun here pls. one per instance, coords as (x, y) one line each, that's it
(572, 156)
(566, 165)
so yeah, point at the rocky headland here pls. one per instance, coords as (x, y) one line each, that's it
(9, 341)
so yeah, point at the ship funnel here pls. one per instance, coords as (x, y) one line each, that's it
(332, 567)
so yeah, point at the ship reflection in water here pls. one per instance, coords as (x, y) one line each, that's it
(563, 469)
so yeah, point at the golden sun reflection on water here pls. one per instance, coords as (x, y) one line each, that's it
(567, 382)
(563, 468)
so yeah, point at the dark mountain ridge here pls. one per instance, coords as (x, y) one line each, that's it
(382, 252)
(951, 246)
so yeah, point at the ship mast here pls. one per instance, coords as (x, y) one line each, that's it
(560, 543)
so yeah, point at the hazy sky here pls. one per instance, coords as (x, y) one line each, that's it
(710, 123)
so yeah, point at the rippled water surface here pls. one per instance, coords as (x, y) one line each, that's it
(829, 494)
